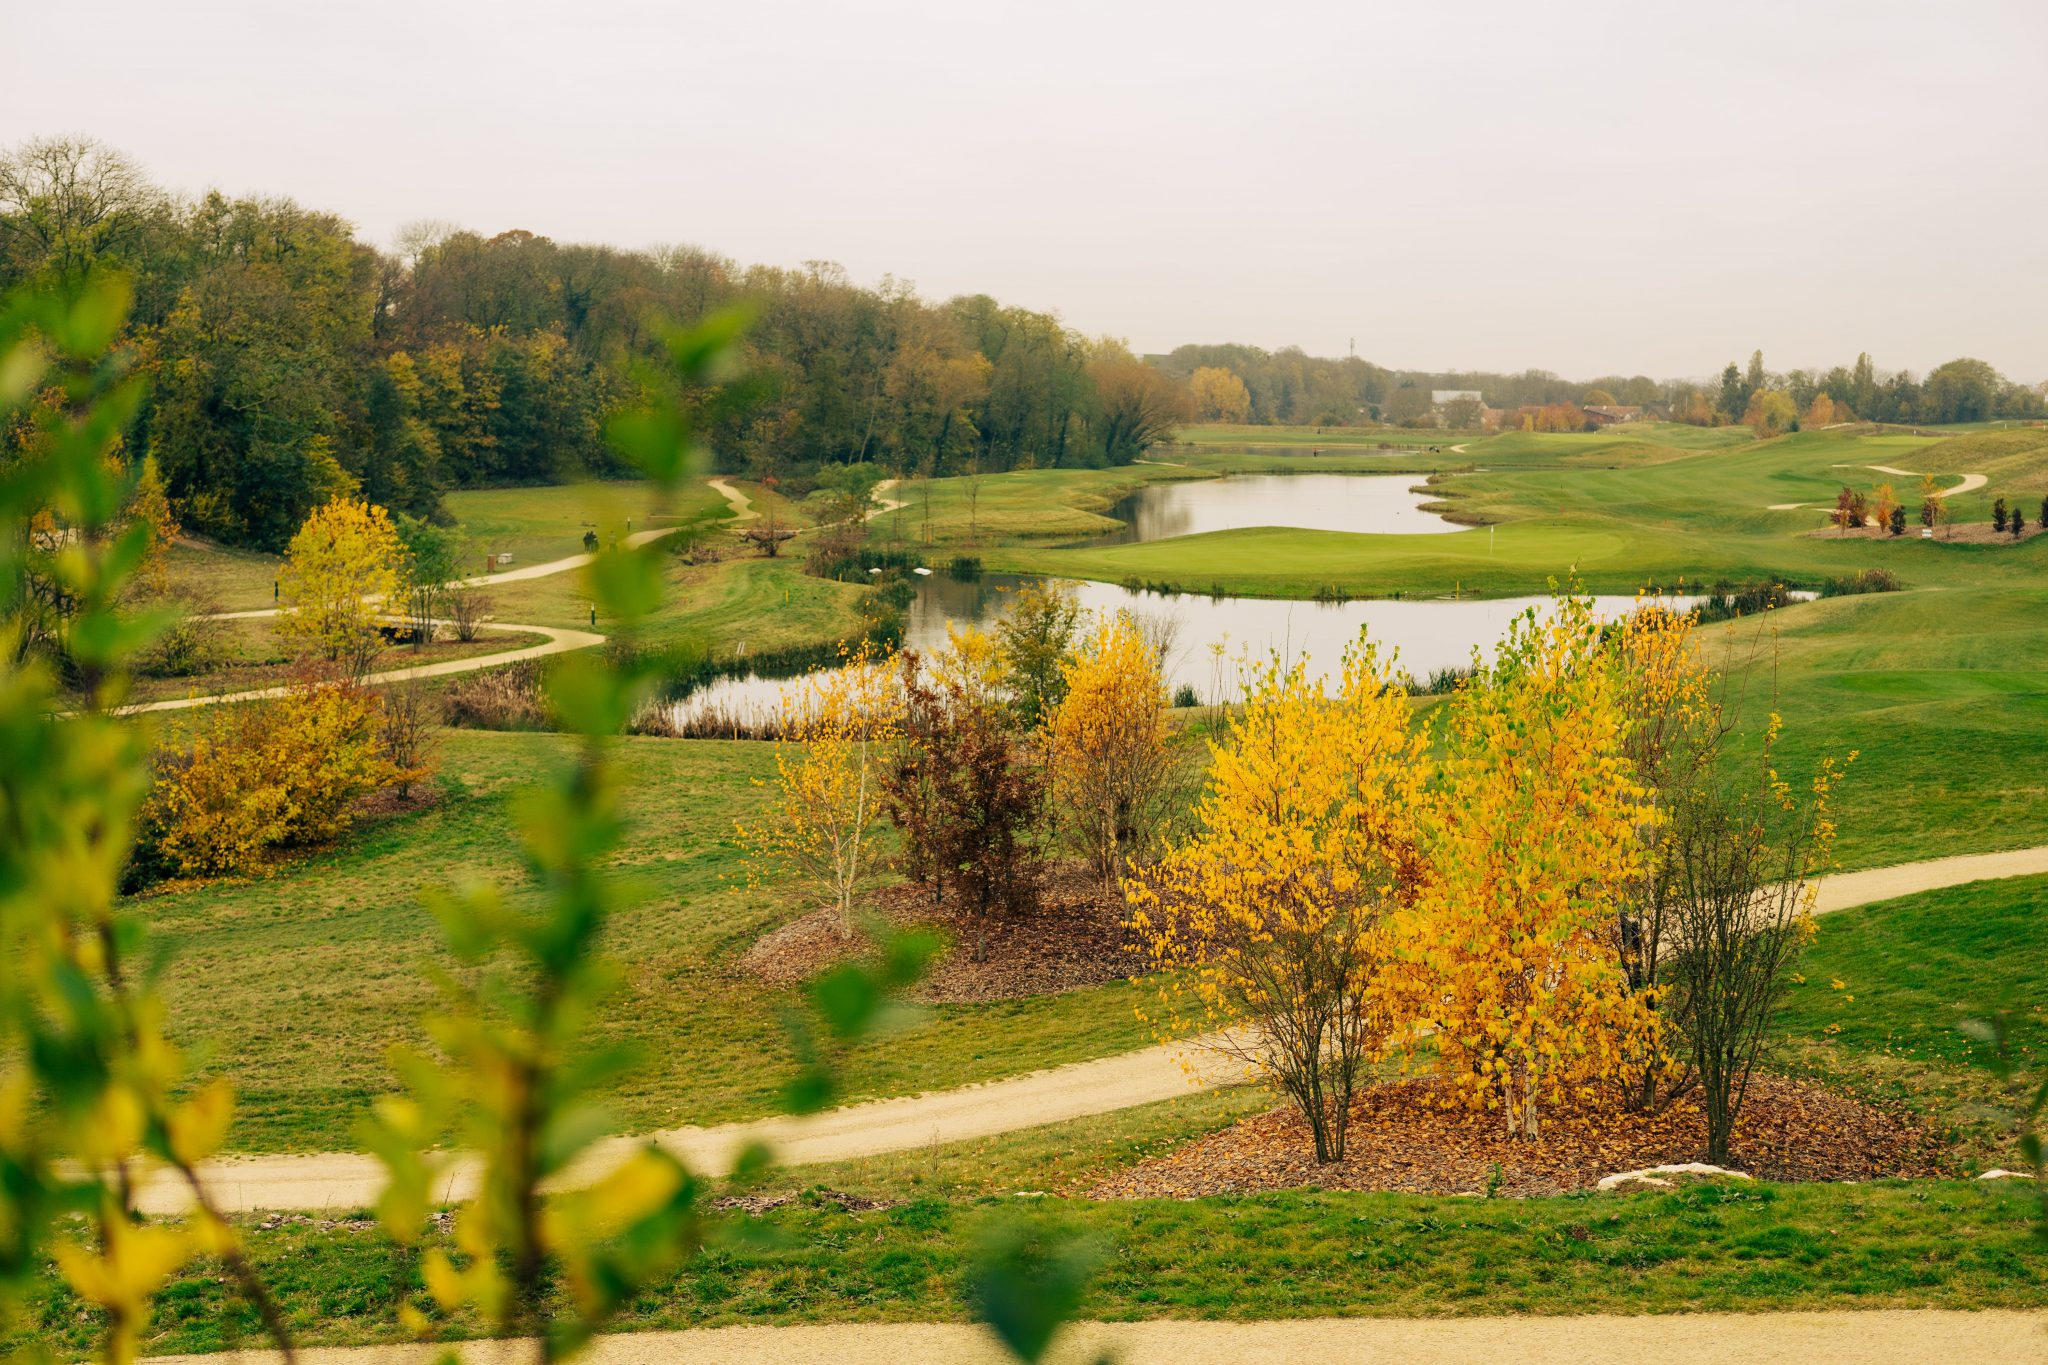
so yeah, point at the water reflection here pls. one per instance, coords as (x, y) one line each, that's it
(1212, 636)
(1383, 504)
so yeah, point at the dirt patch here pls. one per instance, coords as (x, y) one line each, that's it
(1075, 938)
(1403, 1139)
(758, 1204)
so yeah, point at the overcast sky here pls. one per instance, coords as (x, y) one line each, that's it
(1585, 187)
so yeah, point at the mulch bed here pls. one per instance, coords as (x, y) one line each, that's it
(1955, 533)
(1401, 1140)
(1075, 938)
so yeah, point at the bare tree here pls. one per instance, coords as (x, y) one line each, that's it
(467, 610)
(1743, 871)
(406, 733)
(67, 201)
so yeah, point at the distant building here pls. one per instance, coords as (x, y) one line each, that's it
(1444, 397)
(1612, 414)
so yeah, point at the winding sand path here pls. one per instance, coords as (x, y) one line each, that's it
(556, 640)
(884, 506)
(743, 508)
(1970, 483)
(338, 1181)
(1874, 1337)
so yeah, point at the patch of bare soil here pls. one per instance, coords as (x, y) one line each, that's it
(758, 1204)
(1403, 1138)
(1075, 938)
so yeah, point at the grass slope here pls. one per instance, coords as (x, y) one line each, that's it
(295, 984)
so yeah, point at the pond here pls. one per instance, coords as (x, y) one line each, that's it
(1211, 636)
(1383, 504)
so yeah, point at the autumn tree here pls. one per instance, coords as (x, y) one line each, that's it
(1219, 395)
(1534, 839)
(267, 775)
(960, 785)
(341, 567)
(1137, 404)
(1844, 515)
(1274, 922)
(1822, 412)
(1883, 502)
(1771, 412)
(1112, 757)
(826, 807)
(1033, 639)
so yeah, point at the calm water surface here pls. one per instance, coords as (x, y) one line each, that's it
(1212, 636)
(1383, 504)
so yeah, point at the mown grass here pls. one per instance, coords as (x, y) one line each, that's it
(1619, 511)
(1941, 695)
(1886, 989)
(1713, 1247)
(740, 605)
(295, 984)
(536, 525)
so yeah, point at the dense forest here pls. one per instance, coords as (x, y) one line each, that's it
(290, 359)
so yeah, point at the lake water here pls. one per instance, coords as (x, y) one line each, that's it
(1383, 504)
(1212, 636)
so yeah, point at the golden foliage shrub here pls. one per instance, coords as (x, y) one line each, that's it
(267, 775)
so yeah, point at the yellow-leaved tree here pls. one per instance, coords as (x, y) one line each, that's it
(1112, 760)
(1220, 395)
(826, 808)
(1534, 838)
(338, 570)
(1272, 922)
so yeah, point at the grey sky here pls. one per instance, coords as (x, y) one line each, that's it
(1585, 187)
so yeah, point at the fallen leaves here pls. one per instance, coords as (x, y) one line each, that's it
(1403, 1138)
(1075, 938)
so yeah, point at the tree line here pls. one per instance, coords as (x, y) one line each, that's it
(1960, 390)
(290, 361)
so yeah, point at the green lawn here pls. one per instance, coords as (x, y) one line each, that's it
(744, 604)
(294, 984)
(535, 525)
(1910, 972)
(1942, 695)
(1720, 1247)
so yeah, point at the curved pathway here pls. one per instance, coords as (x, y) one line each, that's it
(1970, 482)
(1894, 1336)
(556, 640)
(884, 506)
(743, 508)
(347, 1180)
